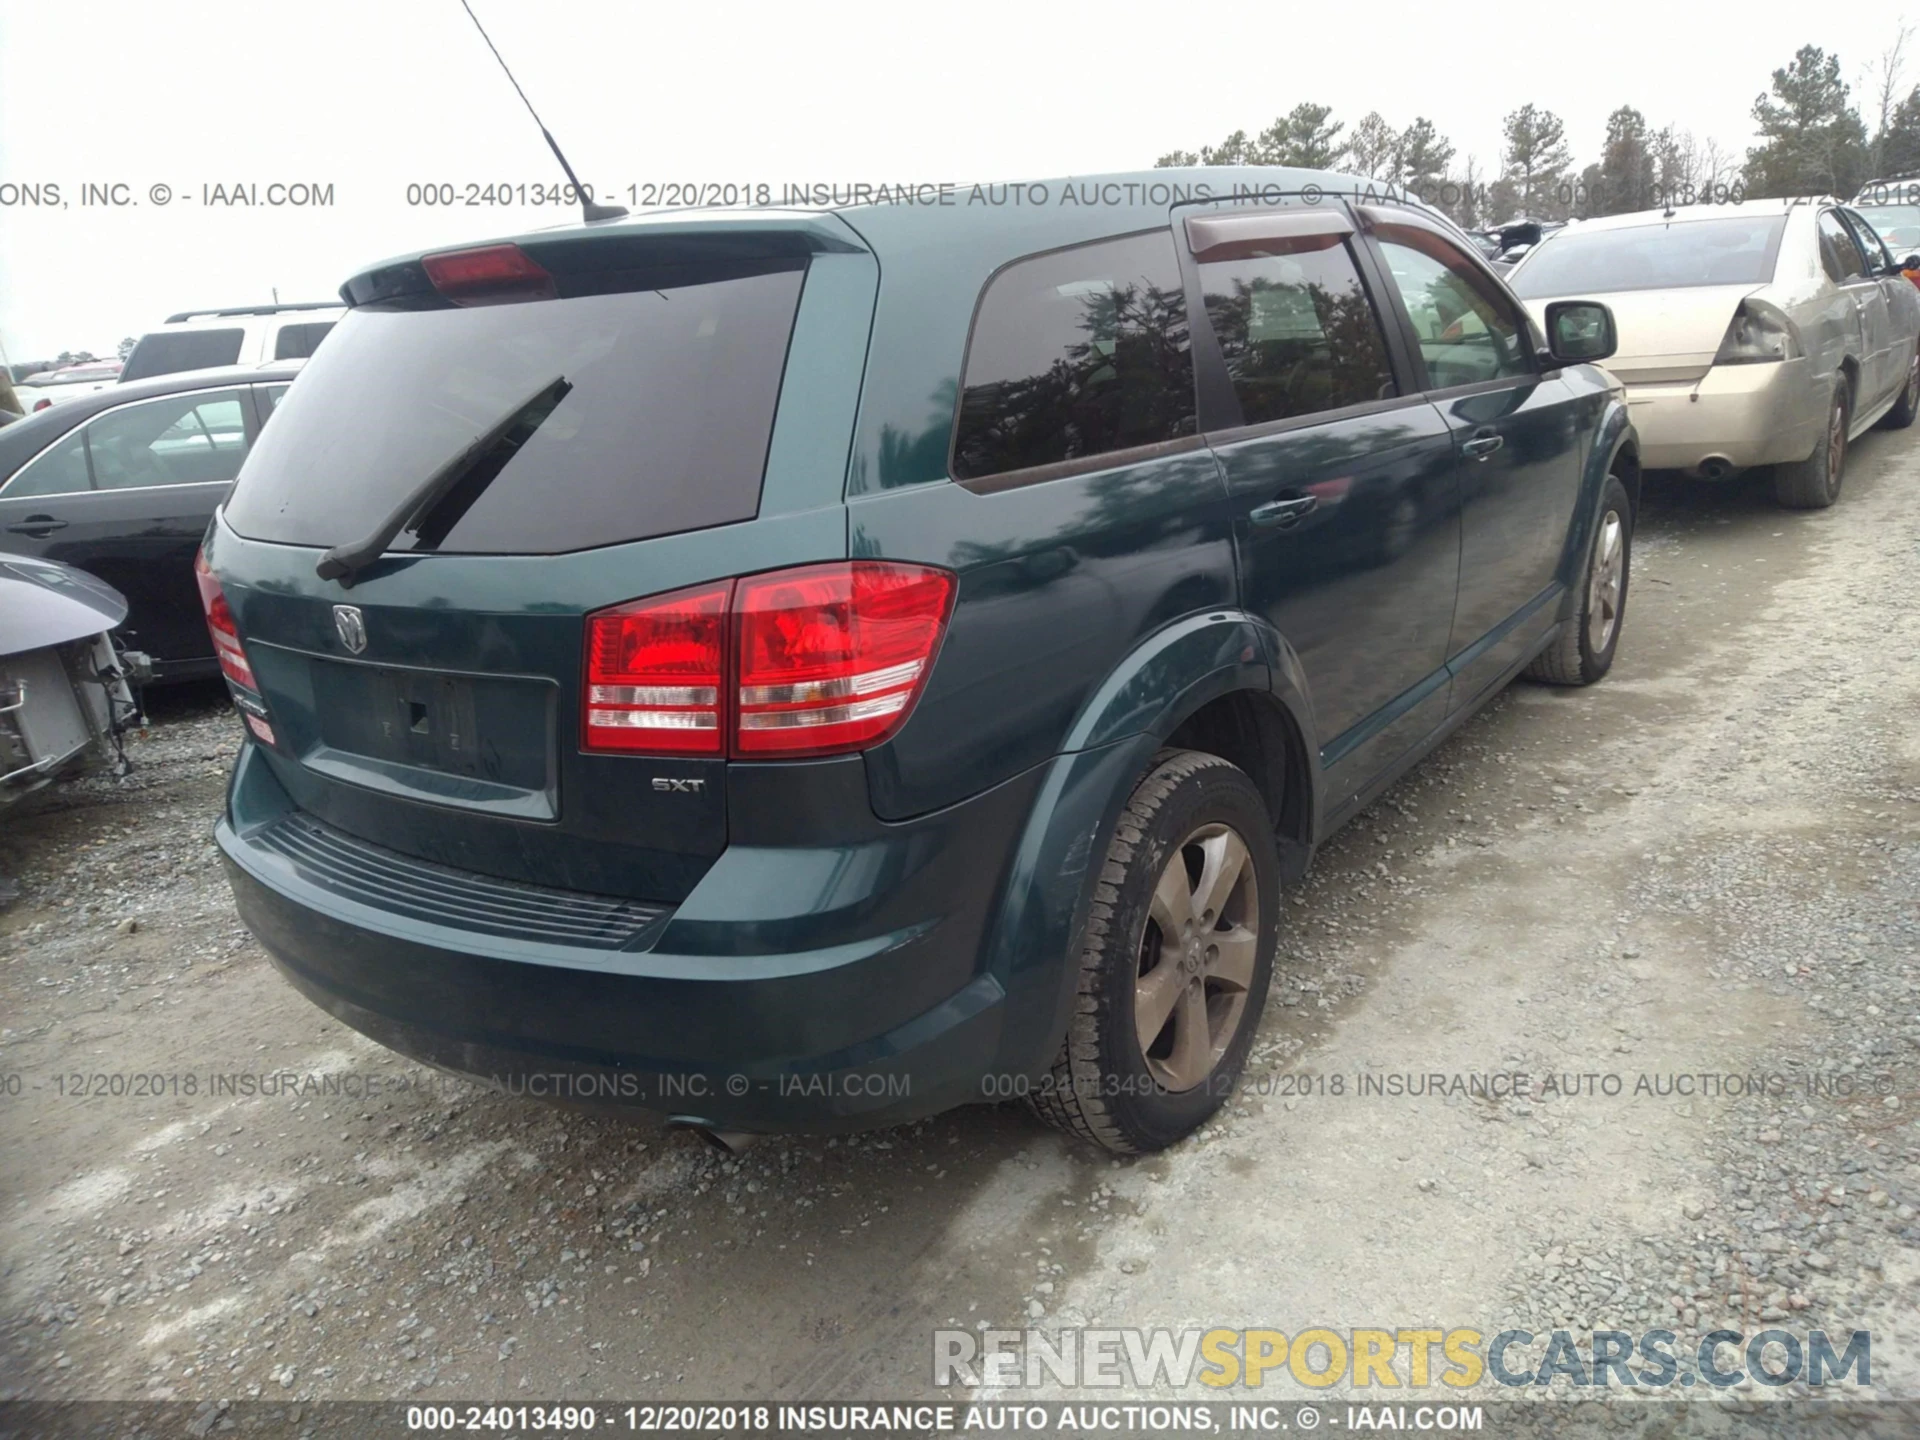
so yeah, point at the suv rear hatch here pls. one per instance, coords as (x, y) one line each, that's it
(601, 413)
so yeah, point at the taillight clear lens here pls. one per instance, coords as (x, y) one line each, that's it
(655, 674)
(1758, 334)
(226, 635)
(832, 657)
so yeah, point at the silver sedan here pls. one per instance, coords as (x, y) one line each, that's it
(1768, 333)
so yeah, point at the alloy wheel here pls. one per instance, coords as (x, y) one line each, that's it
(1606, 583)
(1197, 956)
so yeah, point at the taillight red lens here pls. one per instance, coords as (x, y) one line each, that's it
(832, 657)
(488, 274)
(655, 674)
(226, 635)
(40, 405)
(811, 661)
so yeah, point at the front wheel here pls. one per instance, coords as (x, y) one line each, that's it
(1175, 963)
(1583, 650)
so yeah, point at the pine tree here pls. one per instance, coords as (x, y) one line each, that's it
(1811, 139)
(1536, 160)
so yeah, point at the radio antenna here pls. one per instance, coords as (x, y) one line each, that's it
(588, 208)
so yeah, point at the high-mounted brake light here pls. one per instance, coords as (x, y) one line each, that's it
(226, 635)
(817, 660)
(488, 275)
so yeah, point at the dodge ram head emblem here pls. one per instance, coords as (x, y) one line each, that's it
(351, 626)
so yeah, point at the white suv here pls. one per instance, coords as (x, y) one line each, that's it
(245, 335)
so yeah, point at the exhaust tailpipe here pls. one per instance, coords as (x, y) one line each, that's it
(727, 1142)
(1715, 467)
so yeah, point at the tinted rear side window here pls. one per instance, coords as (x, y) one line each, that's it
(297, 342)
(1074, 354)
(665, 427)
(167, 352)
(1296, 329)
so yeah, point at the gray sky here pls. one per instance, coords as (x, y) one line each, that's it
(369, 97)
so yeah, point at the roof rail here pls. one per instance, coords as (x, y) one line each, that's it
(255, 310)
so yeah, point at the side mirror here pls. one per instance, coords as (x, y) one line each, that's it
(1580, 331)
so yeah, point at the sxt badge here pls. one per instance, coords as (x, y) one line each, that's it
(679, 787)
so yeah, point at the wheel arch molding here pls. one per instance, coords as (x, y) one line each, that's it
(1615, 443)
(1226, 682)
(1188, 676)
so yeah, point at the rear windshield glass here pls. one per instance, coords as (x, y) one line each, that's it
(664, 429)
(167, 352)
(1736, 251)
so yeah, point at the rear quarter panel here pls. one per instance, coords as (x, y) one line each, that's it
(1060, 581)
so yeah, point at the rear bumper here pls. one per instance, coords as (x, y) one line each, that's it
(1740, 415)
(803, 988)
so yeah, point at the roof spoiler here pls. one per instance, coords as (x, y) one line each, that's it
(254, 310)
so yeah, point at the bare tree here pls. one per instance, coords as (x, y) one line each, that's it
(1884, 77)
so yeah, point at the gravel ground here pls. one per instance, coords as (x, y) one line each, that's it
(1709, 865)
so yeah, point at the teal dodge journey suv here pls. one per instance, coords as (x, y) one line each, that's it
(805, 670)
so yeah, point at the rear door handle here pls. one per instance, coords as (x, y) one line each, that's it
(1279, 514)
(1481, 446)
(38, 526)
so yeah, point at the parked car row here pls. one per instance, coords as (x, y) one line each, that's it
(675, 657)
(1767, 333)
(47, 388)
(244, 335)
(122, 483)
(117, 469)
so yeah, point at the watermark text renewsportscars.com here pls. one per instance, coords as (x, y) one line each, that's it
(1420, 1357)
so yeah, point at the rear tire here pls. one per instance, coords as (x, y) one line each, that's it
(1179, 941)
(1907, 407)
(1583, 650)
(1814, 483)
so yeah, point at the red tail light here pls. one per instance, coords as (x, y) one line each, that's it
(654, 674)
(488, 275)
(226, 636)
(40, 405)
(832, 657)
(817, 660)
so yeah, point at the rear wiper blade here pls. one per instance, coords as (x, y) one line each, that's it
(343, 561)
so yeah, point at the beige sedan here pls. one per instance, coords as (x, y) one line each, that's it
(1768, 333)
